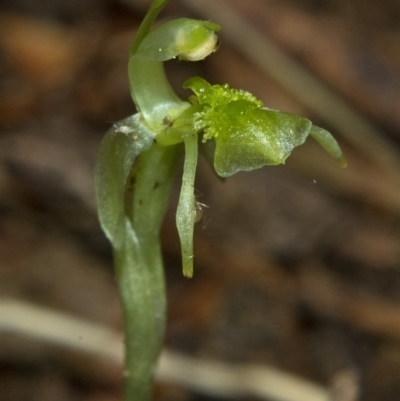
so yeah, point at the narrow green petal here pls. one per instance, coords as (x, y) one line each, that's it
(328, 142)
(185, 215)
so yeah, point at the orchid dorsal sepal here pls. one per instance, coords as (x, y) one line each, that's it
(247, 135)
(184, 38)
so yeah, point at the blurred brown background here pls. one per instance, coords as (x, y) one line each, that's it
(297, 266)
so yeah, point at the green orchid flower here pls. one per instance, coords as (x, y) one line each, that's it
(248, 135)
(137, 161)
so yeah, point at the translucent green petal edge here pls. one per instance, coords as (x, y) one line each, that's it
(117, 152)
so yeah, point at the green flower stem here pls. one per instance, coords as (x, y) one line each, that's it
(151, 15)
(139, 271)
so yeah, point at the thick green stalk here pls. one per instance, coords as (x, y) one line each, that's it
(140, 271)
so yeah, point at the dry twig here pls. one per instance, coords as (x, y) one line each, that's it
(214, 378)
